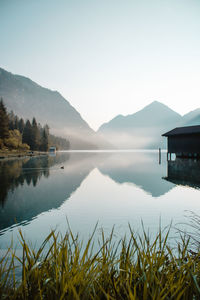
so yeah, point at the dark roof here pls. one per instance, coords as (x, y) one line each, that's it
(183, 130)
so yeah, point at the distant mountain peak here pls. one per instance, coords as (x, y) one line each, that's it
(141, 129)
(157, 104)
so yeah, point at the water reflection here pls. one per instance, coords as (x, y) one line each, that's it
(31, 186)
(184, 172)
(141, 169)
(16, 172)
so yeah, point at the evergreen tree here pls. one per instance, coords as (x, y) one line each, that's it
(45, 138)
(27, 133)
(40, 128)
(16, 125)
(4, 121)
(21, 125)
(34, 136)
(11, 117)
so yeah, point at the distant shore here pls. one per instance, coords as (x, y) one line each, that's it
(17, 153)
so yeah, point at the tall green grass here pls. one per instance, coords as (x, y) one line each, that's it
(134, 268)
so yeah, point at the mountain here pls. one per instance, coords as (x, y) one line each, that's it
(142, 129)
(28, 99)
(192, 118)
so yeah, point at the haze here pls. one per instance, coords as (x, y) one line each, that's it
(106, 57)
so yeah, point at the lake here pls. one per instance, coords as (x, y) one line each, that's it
(109, 187)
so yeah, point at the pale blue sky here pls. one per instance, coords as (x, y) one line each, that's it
(106, 57)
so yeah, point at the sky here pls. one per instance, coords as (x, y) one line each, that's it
(106, 57)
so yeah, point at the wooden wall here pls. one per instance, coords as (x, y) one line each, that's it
(184, 144)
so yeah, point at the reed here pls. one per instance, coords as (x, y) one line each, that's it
(134, 268)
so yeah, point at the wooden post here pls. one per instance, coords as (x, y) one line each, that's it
(169, 156)
(159, 156)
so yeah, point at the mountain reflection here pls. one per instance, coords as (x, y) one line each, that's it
(34, 185)
(31, 186)
(184, 172)
(139, 168)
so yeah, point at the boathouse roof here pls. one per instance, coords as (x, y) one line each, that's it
(183, 130)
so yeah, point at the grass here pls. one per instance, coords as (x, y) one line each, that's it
(137, 268)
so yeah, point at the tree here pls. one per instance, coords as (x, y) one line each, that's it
(21, 125)
(26, 133)
(16, 122)
(11, 118)
(45, 138)
(34, 136)
(4, 121)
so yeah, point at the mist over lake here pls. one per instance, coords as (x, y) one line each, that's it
(113, 188)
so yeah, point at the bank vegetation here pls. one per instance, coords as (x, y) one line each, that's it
(136, 268)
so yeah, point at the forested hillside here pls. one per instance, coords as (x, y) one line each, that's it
(28, 99)
(15, 133)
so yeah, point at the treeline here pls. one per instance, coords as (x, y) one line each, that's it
(15, 133)
(58, 142)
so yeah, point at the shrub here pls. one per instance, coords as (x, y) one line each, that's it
(24, 147)
(14, 141)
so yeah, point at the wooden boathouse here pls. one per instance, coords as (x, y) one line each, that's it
(184, 142)
(52, 149)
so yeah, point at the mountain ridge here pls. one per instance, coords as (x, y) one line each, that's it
(147, 109)
(143, 129)
(192, 117)
(28, 99)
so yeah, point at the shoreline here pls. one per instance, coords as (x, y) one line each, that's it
(15, 154)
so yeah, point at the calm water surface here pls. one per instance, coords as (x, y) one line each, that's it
(113, 188)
